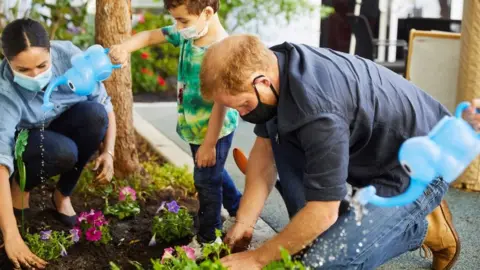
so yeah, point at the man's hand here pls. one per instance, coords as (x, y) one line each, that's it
(20, 255)
(243, 260)
(118, 54)
(105, 162)
(239, 237)
(206, 156)
(472, 116)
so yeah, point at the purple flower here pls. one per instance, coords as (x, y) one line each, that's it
(75, 233)
(152, 242)
(63, 253)
(173, 207)
(82, 217)
(45, 235)
(162, 206)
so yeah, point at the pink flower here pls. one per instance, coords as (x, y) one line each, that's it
(97, 219)
(93, 235)
(167, 253)
(189, 251)
(127, 192)
(141, 18)
(82, 217)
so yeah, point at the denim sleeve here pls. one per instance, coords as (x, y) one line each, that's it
(10, 115)
(261, 130)
(171, 35)
(325, 142)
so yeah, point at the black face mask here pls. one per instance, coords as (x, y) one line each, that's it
(263, 112)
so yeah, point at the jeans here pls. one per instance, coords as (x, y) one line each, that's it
(384, 233)
(215, 186)
(68, 142)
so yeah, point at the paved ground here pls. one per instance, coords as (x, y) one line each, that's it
(465, 206)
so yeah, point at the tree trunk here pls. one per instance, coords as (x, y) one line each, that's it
(469, 79)
(113, 23)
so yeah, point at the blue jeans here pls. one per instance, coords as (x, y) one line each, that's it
(383, 234)
(69, 142)
(215, 186)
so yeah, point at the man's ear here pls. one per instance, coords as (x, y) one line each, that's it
(209, 12)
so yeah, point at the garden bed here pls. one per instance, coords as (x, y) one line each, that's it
(130, 238)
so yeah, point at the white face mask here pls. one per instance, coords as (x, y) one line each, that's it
(33, 84)
(191, 31)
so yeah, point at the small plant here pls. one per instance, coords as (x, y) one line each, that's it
(95, 227)
(286, 263)
(175, 223)
(169, 175)
(217, 249)
(20, 145)
(127, 205)
(50, 245)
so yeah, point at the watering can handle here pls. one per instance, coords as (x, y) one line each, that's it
(107, 50)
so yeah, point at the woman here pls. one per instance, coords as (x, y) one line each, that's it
(74, 129)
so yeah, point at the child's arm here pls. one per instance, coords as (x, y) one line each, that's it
(206, 154)
(120, 52)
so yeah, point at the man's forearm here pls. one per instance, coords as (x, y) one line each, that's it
(110, 136)
(215, 124)
(261, 176)
(309, 223)
(8, 223)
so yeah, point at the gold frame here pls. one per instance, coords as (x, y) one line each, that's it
(420, 33)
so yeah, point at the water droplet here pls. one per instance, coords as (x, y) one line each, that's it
(360, 244)
(331, 258)
(358, 250)
(376, 245)
(371, 221)
(359, 223)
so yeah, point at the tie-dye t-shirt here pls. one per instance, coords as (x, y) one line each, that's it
(193, 111)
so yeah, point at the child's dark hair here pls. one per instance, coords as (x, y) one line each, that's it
(193, 6)
(22, 34)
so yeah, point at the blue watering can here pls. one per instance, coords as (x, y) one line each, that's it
(445, 152)
(88, 68)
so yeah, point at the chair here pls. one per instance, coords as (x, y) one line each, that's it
(366, 44)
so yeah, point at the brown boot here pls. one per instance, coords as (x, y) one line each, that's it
(240, 159)
(442, 238)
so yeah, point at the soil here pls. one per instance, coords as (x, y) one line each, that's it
(130, 237)
(155, 97)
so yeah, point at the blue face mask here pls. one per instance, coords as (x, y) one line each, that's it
(35, 84)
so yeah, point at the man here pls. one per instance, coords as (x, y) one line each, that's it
(326, 119)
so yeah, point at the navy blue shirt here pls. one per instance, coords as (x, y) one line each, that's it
(348, 117)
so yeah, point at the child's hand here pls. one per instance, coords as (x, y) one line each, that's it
(118, 54)
(206, 156)
(472, 116)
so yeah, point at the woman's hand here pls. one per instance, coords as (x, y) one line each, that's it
(472, 116)
(105, 162)
(206, 156)
(118, 54)
(20, 255)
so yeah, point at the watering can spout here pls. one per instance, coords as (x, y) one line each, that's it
(367, 195)
(47, 105)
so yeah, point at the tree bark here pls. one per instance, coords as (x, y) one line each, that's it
(113, 24)
(469, 79)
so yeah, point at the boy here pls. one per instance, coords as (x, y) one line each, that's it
(207, 127)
